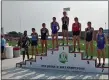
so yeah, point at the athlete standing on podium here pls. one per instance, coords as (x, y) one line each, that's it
(76, 29)
(89, 35)
(44, 34)
(55, 30)
(34, 41)
(65, 24)
(101, 44)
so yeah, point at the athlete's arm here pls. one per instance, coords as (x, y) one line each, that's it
(28, 41)
(48, 32)
(105, 39)
(93, 34)
(62, 20)
(85, 34)
(80, 29)
(58, 26)
(37, 36)
(68, 21)
(96, 37)
(72, 26)
(51, 25)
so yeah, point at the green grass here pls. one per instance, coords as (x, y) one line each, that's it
(13, 43)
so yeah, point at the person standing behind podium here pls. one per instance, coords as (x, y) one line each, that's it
(55, 30)
(34, 41)
(24, 44)
(89, 36)
(76, 29)
(65, 24)
(3, 43)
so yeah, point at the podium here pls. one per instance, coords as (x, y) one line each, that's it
(63, 58)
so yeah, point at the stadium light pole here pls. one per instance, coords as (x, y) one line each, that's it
(20, 23)
(105, 25)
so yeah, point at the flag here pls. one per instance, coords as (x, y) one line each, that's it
(66, 9)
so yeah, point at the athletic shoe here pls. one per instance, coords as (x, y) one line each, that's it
(91, 57)
(98, 64)
(103, 64)
(79, 49)
(87, 57)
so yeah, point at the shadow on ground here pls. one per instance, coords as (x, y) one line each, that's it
(24, 73)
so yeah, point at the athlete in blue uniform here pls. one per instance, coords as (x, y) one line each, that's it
(101, 41)
(34, 41)
(55, 28)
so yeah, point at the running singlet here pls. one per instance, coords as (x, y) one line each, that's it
(89, 33)
(44, 31)
(100, 41)
(76, 27)
(34, 37)
(64, 20)
(54, 28)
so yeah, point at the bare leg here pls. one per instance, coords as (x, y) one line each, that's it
(32, 48)
(23, 55)
(78, 41)
(36, 50)
(27, 53)
(53, 41)
(46, 46)
(74, 39)
(63, 32)
(42, 45)
(67, 36)
(103, 54)
(57, 40)
(87, 46)
(99, 57)
(91, 48)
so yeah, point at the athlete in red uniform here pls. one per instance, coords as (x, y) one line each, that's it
(76, 29)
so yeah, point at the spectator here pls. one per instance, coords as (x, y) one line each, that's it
(3, 43)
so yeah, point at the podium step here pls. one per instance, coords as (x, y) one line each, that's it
(32, 60)
(20, 64)
(65, 59)
(89, 58)
(105, 66)
(55, 49)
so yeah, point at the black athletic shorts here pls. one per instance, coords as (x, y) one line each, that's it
(88, 38)
(43, 37)
(64, 27)
(76, 33)
(2, 49)
(33, 43)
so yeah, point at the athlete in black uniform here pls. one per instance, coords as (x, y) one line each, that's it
(65, 24)
(44, 34)
(89, 35)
